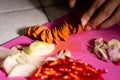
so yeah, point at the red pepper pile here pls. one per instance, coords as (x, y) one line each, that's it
(67, 69)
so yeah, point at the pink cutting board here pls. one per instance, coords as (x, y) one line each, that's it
(78, 45)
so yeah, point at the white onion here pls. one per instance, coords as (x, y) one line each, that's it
(8, 64)
(4, 52)
(23, 70)
(36, 60)
(39, 48)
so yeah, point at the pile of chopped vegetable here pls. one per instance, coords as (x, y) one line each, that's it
(107, 50)
(58, 32)
(67, 69)
(24, 60)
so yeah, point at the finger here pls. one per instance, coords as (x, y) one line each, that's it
(71, 3)
(114, 19)
(87, 15)
(104, 13)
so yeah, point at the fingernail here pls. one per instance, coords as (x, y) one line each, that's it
(87, 28)
(72, 3)
(84, 22)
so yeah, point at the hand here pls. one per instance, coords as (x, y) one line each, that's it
(108, 15)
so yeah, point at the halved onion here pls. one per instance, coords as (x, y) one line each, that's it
(40, 48)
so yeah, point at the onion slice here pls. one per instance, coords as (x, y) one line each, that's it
(23, 70)
(8, 64)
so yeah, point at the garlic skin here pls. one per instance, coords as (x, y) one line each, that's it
(107, 50)
(100, 49)
(114, 50)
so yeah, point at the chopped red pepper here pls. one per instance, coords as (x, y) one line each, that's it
(67, 69)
